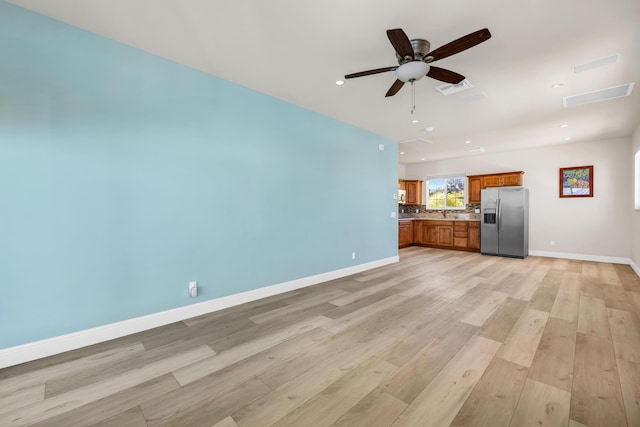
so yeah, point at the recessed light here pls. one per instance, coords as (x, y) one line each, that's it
(422, 158)
(429, 128)
(339, 82)
(567, 138)
(414, 121)
(467, 142)
(564, 125)
(557, 85)
(402, 152)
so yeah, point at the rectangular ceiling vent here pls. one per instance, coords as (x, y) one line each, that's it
(596, 64)
(448, 88)
(598, 95)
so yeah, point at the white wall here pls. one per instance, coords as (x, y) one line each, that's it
(402, 171)
(595, 227)
(635, 215)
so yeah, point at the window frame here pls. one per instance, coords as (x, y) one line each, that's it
(445, 177)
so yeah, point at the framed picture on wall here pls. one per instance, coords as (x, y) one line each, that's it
(576, 181)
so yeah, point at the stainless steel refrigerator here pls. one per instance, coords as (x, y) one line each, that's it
(504, 229)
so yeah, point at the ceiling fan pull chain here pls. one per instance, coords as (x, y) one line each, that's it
(413, 98)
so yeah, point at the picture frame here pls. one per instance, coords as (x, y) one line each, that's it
(576, 181)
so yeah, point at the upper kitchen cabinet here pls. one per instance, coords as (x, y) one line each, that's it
(414, 192)
(475, 186)
(478, 182)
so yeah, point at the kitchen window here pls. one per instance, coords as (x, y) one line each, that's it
(446, 193)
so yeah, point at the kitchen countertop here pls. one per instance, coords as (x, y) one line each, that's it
(439, 219)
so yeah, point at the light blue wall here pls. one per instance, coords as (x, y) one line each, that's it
(123, 176)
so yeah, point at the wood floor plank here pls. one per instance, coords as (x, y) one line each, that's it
(494, 399)
(16, 399)
(499, 326)
(112, 405)
(363, 314)
(630, 386)
(596, 398)
(521, 344)
(592, 317)
(227, 422)
(553, 361)
(545, 295)
(568, 299)
(296, 306)
(215, 362)
(96, 391)
(377, 408)
(331, 403)
(213, 409)
(131, 418)
(290, 395)
(485, 308)
(542, 405)
(438, 404)
(628, 278)
(414, 375)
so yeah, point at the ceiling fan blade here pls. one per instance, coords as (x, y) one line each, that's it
(444, 75)
(463, 43)
(400, 42)
(395, 87)
(370, 72)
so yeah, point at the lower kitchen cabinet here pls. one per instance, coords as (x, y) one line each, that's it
(405, 233)
(461, 235)
(474, 235)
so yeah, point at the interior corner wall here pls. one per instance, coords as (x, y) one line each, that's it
(123, 176)
(402, 171)
(598, 226)
(635, 214)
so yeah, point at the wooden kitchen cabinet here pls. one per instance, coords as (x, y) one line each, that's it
(405, 233)
(502, 179)
(402, 185)
(475, 187)
(414, 192)
(474, 235)
(478, 182)
(461, 235)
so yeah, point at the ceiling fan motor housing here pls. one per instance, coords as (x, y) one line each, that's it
(421, 48)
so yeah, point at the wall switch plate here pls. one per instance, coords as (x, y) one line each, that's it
(395, 196)
(393, 214)
(353, 255)
(193, 289)
(381, 147)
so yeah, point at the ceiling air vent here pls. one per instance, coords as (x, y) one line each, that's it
(596, 64)
(448, 88)
(598, 95)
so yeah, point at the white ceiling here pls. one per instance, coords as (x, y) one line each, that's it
(295, 50)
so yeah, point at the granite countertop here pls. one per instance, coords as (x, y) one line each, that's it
(439, 219)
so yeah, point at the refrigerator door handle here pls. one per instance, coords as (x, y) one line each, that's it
(499, 214)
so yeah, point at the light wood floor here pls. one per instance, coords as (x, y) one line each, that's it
(442, 338)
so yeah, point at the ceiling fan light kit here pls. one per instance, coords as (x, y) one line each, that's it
(412, 71)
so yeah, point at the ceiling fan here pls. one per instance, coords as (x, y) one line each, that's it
(414, 58)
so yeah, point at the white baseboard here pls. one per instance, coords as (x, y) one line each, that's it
(635, 267)
(50, 346)
(581, 257)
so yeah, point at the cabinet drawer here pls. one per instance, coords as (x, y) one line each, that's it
(457, 233)
(460, 242)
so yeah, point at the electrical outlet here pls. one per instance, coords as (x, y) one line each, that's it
(417, 210)
(552, 243)
(353, 255)
(393, 214)
(193, 289)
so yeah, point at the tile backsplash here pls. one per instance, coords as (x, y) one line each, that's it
(421, 211)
